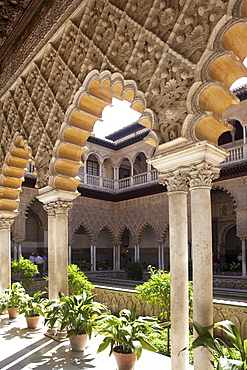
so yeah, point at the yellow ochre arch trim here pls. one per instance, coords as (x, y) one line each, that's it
(96, 93)
(223, 70)
(12, 176)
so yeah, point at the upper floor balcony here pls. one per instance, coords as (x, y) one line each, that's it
(237, 153)
(114, 186)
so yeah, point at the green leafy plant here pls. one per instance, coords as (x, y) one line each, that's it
(157, 292)
(24, 270)
(77, 314)
(234, 266)
(134, 270)
(33, 305)
(127, 333)
(224, 267)
(226, 357)
(77, 281)
(13, 296)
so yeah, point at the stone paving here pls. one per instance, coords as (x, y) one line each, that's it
(23, 348)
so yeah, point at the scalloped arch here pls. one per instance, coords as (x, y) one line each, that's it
(220, 66)
(86, 228)
(111, 232)
(12, 176)
(95, 94)
(121, 231)
(141, 230)
(226, 191)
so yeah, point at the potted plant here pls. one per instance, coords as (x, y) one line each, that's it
(127, 336)
(100, 265)
(13, 297)
(85, 266)
(78, 315)
(228, 354)
(33, 307)
(224, 268)
(234, 267)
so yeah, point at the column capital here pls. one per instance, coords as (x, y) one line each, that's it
(175, 181)
(5, 223)
(202, 175)
(57, 207)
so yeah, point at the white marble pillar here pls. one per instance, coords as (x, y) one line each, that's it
(69, 254)
(93, 257)
(19, 249)
(131, 174)
(137, 252)
(5, 256)
(201, 177)
(58, 247)
(175, 161)
(118, 256)
(15, 251)
(178, 235)
(116, 177)
(161, 256)
(243, 240)
(100, 175)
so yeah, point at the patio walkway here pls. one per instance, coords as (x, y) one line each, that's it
(23, 348)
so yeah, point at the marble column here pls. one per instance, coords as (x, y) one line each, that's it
(243, 240)
(69, 254)
(137, 252)
(118, 256)
(15, 250)
(5, 255)
(161, 256)
(201, 177)
(178, 235)
(93, 257)
(19, 249)
(58, 246)
(175, 161)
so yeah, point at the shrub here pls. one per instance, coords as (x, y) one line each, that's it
(134, 270)
(77, 281)
(25, 270)
(156, 291)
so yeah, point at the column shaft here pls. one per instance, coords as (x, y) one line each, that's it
(5, 256)
(179, 279)
(201, 221)
(243, 256)
(58, 247)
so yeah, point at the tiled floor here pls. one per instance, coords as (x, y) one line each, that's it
(22, 348)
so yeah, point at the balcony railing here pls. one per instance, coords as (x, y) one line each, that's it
(236, 154)
(139, 180)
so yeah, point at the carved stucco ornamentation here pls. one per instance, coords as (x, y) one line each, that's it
(203, 175)
(241, 222)
(58, 207)
(196, 27)
(169, 91)
(118, 217)
(163, 16)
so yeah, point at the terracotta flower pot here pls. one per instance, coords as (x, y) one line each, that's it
(125, 361)
(78, 342)
(13, 312)
(32, 322)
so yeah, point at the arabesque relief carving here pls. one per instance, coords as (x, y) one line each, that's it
(157, 44)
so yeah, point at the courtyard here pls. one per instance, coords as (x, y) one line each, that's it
(23, 348)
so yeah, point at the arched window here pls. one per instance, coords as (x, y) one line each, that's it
(92, 166)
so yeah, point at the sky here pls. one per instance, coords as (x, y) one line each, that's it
(115, 117)
(121, 115)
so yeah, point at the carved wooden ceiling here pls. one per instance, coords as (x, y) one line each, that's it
(17, 20)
